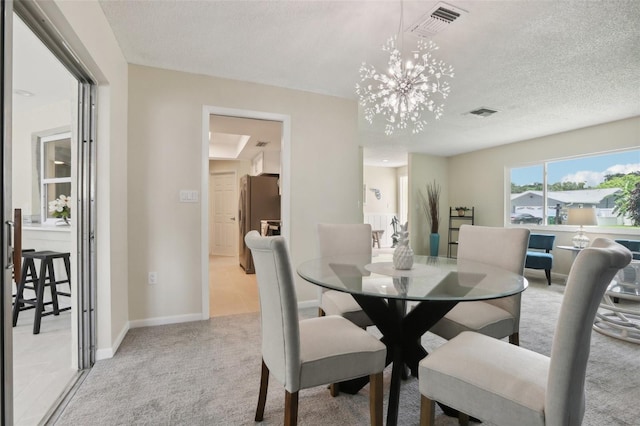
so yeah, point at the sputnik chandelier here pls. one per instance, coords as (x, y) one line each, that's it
(402, 95)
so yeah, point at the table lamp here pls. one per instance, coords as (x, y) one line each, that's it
(582, 217)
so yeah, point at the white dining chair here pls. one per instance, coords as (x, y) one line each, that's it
(343, 240)
(504, 384)
(311, 352)
(499, 318)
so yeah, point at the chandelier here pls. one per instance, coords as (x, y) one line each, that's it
(408, 89)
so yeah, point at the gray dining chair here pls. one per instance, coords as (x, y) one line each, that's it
(344, 240)
(499, 318)
(503, 384)
(311, 352)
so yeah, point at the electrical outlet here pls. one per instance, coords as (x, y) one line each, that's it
(153, 278)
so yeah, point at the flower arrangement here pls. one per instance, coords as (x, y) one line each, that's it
(61, 207)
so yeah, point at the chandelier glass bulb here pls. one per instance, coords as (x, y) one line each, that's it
(407, 89)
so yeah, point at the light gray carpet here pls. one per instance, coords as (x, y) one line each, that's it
(207, 373)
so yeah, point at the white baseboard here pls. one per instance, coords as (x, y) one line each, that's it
(176, 319)
(308, 304)
(109, 352)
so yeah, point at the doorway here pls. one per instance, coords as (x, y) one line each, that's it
(242, 137)
(48, 169)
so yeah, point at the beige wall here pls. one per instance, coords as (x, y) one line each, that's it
(85, 28)
(165, 127)
(479, 178)
(423, 169)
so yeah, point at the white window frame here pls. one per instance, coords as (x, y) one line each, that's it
(44, 205)
(630, 230)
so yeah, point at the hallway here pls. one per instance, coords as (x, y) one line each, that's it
(231, 291)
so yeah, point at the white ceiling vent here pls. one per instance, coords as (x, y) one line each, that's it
(260, 144)
(483, 112)
(436, 20)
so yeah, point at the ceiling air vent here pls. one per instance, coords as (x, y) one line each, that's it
(261, 144)
(483, 112)
(436, 20)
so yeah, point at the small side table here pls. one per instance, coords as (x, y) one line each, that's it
(574, 250)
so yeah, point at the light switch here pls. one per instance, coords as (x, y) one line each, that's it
(189, 196)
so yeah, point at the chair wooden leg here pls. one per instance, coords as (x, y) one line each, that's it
(334, 389)
(514, 339)
(290, 408)
(375, 399)
(463, 419)
(262, 397)
(320, 312)
(427, 411)
(547, 272)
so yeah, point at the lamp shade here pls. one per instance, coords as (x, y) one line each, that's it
(583, 217)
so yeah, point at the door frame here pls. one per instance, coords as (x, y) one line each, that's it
(285, 183)
(6, 247)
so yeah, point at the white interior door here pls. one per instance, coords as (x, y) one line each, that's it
(223, 234)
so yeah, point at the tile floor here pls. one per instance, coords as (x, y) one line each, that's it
(41, 365)
(231, 290)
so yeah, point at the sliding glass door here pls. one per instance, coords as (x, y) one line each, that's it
(6, 337)
(75, 156)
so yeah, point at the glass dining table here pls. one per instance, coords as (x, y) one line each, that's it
(437, 284)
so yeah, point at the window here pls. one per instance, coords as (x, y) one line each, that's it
(403, 202)
(610, 183)
(55, 169)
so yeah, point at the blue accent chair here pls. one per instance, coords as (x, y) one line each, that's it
(633, 245)
(539, 257)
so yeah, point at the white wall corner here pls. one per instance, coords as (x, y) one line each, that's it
(107, 353)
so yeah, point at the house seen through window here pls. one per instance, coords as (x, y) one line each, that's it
(541, 194)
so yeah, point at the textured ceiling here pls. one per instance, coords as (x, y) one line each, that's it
(546, 66)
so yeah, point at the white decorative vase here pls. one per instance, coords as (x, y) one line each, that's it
(403, 254)
(403, 257)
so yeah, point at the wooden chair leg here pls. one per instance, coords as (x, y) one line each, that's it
(262, 397)
(375, 399)
(290, 408)
(334, 389)
(427, 411)
(547, 272)
(463, 419)
(514, 339)
(320, 312)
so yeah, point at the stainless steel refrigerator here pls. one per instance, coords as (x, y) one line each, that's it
(259, 200)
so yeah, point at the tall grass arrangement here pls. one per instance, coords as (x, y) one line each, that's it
(430, 204)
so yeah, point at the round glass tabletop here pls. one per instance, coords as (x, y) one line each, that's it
(431, 278)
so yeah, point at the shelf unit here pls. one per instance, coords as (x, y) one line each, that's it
(455, 221)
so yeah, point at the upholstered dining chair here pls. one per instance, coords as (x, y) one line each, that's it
(341, 240)
(540, 257)
(505, 384)
(311, 352)
(499, 318)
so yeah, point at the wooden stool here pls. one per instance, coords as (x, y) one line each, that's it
(377, 234)
(38, 282)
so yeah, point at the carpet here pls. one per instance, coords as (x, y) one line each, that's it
(207, 373)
